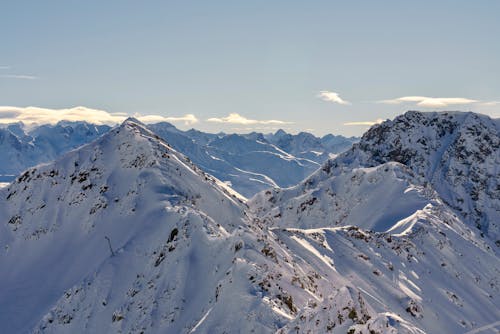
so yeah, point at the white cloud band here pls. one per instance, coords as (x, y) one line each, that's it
(365, 123)
(235, 118)
(430, 102)
(36, 115)
(187, 119)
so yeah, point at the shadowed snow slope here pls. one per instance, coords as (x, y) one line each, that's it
(126, 235)
(254, 162)
(249, 162)
(58, 215)
(398, 167)
(420, 192)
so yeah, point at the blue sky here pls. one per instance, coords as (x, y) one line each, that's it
(321, 66)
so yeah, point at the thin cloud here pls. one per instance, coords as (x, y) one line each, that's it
(37, 115)
(235, 118)
(365, 123)
(4, 67)
(328, 96)
(490, 103)
(430, 102)
(187, 119)
(18, 76)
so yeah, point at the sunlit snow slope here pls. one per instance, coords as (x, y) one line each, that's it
(127, 235)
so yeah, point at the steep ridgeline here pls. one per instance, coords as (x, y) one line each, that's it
(128, 186)
(458, 154)
(307, 146)
(126, 235)
(412, 159)
(254, 162)
(248, 162)
(387, 216)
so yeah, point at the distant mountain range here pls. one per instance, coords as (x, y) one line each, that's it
(126, 234)
(248, 162)
(21, 149)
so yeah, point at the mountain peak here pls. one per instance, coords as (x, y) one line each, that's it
(133, 120)
(128, 235)
(456, 152)
(280, 133)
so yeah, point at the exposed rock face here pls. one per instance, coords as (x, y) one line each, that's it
(248, 162)
(457, 153)
(454, 154)
(127, 235)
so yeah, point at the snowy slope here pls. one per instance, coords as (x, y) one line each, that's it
(437, 276)
(56, 216)
(382, 212)
(248, 162)
(308, 146)
(127, 235)
(253, 162)
(455, 155)
(372, 198)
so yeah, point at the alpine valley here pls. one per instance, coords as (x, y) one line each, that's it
(248, 162)
(150, 229)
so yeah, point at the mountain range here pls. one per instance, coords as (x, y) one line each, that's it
(248, 162)
(131, 233)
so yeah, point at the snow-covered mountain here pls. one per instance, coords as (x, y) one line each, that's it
(254, 162)
(22, 148)
(410, 193)
(249, 163)
(454, 154)
(126, 234)
(458, 154)
(128, 188)
(306, 145)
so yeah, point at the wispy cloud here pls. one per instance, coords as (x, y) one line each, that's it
(15, 76)
(37, 115)
(18, 76)
(326, 95)
(187, 119)
(365, 123)
(430, 102)
(490, 103)
(235, 118)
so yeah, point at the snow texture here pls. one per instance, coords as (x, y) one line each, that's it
(128, 235)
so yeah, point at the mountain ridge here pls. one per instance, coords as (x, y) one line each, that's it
(128, 235)
(241, 160)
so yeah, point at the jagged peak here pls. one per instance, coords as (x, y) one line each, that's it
(415, 117)
(133, 120)
(454, 152)
(124, 162)
(132, 124)
(280, 132)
